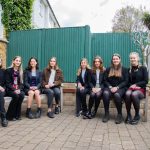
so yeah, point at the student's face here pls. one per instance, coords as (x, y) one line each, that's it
(52, 62)
(116, 60)
(33, 63)
(97, 63)
(17, 62)
(83, 64)
(134, 59)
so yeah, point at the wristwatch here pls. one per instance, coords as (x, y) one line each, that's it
(110, 87)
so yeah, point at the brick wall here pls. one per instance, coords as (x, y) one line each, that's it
(3, 46)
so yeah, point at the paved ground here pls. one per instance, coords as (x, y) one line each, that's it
(67, 132)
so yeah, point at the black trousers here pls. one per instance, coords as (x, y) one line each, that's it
(14, 108)
(81, 100)
(117, 96)
(2, 108)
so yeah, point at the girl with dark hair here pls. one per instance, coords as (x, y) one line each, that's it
(96, 86)
(83, 76)
(138, 78)
(32, 85)
(4, 121)
(14, 88)
(51, 82)
(115, 80)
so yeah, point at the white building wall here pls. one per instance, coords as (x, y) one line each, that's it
(42, 16)
(1, 25)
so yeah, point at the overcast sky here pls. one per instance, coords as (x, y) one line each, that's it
(98, 14)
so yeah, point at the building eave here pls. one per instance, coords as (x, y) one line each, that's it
(52, 12)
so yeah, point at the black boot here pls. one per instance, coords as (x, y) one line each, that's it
(4, 121)
(29, 113)
(38, 113)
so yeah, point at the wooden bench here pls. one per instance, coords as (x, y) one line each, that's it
(43, 98)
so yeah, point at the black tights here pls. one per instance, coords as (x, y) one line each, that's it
(133, 97)
(94, 98)
(117, 96)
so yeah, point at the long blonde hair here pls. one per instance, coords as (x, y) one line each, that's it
(56, 66)
(102, 68)
(87, 67)
(20, 68)
(117, 72)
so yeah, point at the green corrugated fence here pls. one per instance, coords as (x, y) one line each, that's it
(69, 45)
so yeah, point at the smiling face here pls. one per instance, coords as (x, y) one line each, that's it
(83, 64)
(33, 63)
(17, 62)
(134, 59)
(97, 63)
(116, 60)
(53, 62)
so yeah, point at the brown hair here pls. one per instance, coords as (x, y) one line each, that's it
(56, 66)
(117, 72)
(101, 64)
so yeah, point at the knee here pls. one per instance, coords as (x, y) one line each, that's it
(92, 95)
(134, 95)
(50, 92)
(117, 97)
(31, 93)
(106, 93)
(37, 93)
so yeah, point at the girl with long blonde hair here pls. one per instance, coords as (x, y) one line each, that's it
(83, 77)
(138, 78)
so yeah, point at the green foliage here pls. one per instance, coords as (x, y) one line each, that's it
(146, 19)
(16, 14)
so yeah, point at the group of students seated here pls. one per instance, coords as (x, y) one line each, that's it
(16, 83)
(115, 82)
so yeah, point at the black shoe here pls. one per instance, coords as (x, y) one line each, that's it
(50, 114)
(4, 121)
(18, 118)
(87, 115)
(119, 119)
(105, 117)
(38, 113)
(80, 113)
(128, 119)
(135, 119)
(29, 113)
(93, 114)
(57, 110)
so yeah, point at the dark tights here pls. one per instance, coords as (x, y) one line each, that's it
(117, 96)
(133, 97)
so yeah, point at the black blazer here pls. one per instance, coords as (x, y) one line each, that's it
(2, 78)
(9, 80)
(121, 82)
(86, 81)
(94, 78)
(27, 79)
(138, 77)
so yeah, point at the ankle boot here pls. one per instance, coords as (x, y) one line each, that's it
(29, 113)
(4, 121)
(38, 113)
